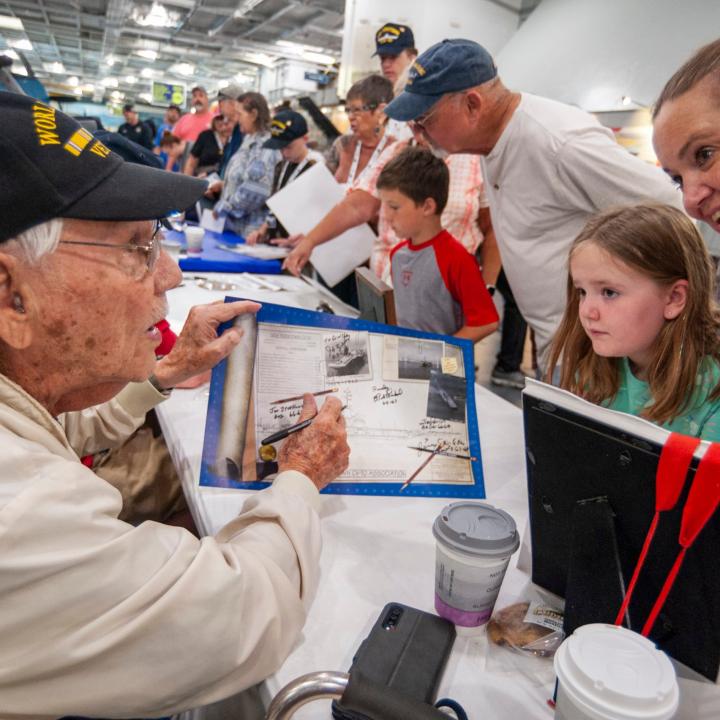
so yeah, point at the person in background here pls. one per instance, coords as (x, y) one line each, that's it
(395, 46)
(364, 105)
(171, 147)
(134, 129)
(229, 107)
(438, 286)
(686, 133)
(207, 151)
(172, 114)
(640, 333)
(80, 292)
(248, 178)
(547, 167)
(289, 132)
(190, 125)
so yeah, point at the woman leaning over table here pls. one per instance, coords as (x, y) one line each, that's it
(249, 175)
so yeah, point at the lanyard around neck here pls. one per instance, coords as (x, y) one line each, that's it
(356, 157)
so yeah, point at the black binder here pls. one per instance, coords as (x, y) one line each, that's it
(591, 488)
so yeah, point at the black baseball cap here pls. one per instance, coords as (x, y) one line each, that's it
(54, 168)
(447, 67)
(286, 126)
(392, 39)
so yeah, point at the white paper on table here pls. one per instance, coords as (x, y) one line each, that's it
(261, 252)
(210, 222)
(301, 205)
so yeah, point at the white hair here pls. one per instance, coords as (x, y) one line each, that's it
(39, 240)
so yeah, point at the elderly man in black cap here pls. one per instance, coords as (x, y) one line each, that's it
(100, 618)
(547, 167)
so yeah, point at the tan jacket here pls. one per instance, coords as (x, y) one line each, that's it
(103, 619)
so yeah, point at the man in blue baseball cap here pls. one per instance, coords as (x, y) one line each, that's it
(100, 618)
(547, 167)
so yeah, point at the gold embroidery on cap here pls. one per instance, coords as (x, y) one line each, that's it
(99, 149)
(278, 127)
(419, 69)
(78, 142)
(45, 125)
(387, 34)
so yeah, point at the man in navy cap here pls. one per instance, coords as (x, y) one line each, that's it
(289, 135)
(100, 618)
(547, 167)
(395, 46)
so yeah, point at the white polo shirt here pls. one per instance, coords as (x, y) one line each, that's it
(553, 167)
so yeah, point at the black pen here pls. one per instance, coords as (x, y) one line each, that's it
(282, 434)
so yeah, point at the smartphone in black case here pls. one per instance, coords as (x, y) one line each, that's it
(406, 651)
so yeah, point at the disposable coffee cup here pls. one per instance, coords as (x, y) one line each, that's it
(474, 545)
(606, 672)
(194, 237)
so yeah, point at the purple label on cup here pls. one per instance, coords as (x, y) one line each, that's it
(461, 617)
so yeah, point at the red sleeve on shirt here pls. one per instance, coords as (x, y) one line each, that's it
(462, 278)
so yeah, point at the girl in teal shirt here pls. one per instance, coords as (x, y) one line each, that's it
(640, 330)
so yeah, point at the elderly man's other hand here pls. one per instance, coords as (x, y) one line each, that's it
(320, 451)
(198, 348)
(299, 257)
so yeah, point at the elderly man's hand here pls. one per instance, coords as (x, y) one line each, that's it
(198, 348)
(299, 257)
(320, 451)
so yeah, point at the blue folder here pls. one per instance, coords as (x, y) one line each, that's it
(214, 259)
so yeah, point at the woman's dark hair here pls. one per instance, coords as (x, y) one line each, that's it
(255, 101)
(373, 90)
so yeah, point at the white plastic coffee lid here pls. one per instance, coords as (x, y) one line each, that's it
(616, 674)
(477, 528)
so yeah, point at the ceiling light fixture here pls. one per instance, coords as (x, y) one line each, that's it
(131, 79)
(158, 16)
(9, 22)
(117, 95)
(73, 81)
(290, 45)
(147, 72)
(183, 68)
(147, 53)
(109, 61)
(54, 67)
(23, 44)
(109, 82)
(319, 58)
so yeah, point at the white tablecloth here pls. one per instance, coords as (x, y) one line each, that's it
(380, 549)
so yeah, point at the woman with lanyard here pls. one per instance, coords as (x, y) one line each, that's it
(289, 135)
(364, 104)
(248, 179)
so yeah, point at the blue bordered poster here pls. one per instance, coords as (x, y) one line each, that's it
(408, 394)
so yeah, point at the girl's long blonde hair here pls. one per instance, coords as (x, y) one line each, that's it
(662, 243)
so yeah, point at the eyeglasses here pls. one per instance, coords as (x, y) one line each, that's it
(151, 251)
(421, 122)
(350, 110)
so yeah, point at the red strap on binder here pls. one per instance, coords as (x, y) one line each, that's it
(672, 469)
(703, 500)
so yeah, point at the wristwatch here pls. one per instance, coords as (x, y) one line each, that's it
(156, 384)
